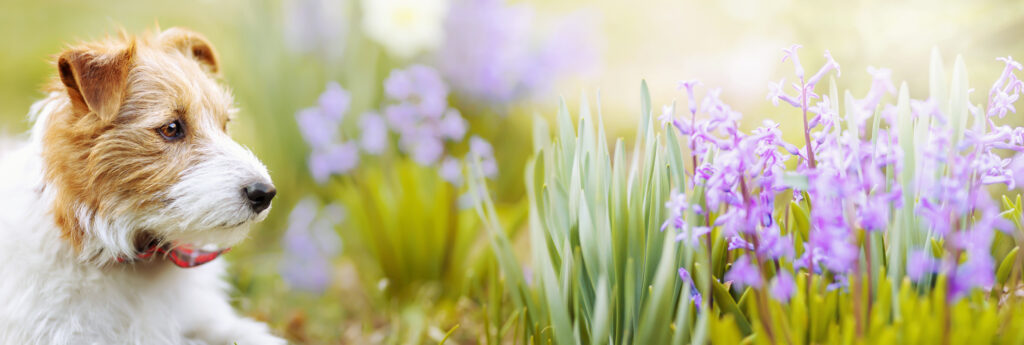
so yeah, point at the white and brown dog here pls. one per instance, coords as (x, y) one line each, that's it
(126, 184)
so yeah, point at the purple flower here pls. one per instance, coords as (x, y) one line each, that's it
(318, 130)
(482, 149)
(309, 244)
(695, 295)
(425, 149)
(452, 126)
(676, 205)
(1017, 167)
(334, 102)
(375, 133)
(790, 53)
(775, 246)
(744, 273)
(977, 272)
(737, 242)
(333, 159)
(315, 27)
(422, 117)
(830, 65)
(782, 286)
(451, 170)
(920, 263)
(491, 53)
(689, 85)
(319, 127)
(777, 93)
(667, 117)
(420, 86)
(402, 117)
(1006, 90)
(692, 234)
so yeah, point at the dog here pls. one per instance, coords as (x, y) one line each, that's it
(117, 204)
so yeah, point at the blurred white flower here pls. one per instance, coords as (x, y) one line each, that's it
(405, 27)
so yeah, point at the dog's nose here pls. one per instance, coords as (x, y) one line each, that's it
(259, 195)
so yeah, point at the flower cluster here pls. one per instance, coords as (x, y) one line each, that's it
(320, 127)
(490, 52)
(851, 169)
(417, 112)
(421, 116)
(310, 243)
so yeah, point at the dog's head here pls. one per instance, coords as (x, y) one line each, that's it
(139, 152)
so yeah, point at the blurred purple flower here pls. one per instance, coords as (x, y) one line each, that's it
(316, 129)
(309, 244)
(423, 120)
(920, 263)
(402, 117)
(452, 126)
(425, 149)
(334, 102)
(420, 86)
(451, 170)
(319, 127)
(315, 27)
(775, 246)
(333, 159)
(482, 149)
(782, 286)
(737, 242)
(375, 133)
(692, 234)
(490, 53)
(977, 272)
(744, 273)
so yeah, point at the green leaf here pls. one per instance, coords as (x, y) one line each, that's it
(728, 305)
(1003, 273)
(800, 219)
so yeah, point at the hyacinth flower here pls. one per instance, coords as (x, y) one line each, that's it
(881, 228)
(320, 127)
(398, 170)
(310, 244)
(416, 112)
(491, 52)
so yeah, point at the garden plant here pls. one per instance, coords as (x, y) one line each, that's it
(895, 222)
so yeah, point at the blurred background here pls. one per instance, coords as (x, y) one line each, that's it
(375, 243)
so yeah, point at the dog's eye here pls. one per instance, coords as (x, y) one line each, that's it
(172, 131)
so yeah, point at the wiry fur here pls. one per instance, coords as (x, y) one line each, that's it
(95, 178)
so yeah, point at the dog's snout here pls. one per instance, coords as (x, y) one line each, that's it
(259, 195)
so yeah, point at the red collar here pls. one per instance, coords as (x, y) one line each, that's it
(182, 255)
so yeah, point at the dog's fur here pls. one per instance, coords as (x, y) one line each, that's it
(95, 180)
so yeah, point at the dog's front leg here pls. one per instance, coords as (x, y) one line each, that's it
(215, 323)
(207, 314)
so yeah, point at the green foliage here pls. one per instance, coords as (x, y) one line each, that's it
(602, 271)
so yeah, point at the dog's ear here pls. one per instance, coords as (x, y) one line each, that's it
(96, 80)
(192, 44)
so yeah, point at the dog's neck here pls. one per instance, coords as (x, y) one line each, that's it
(106, 240)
